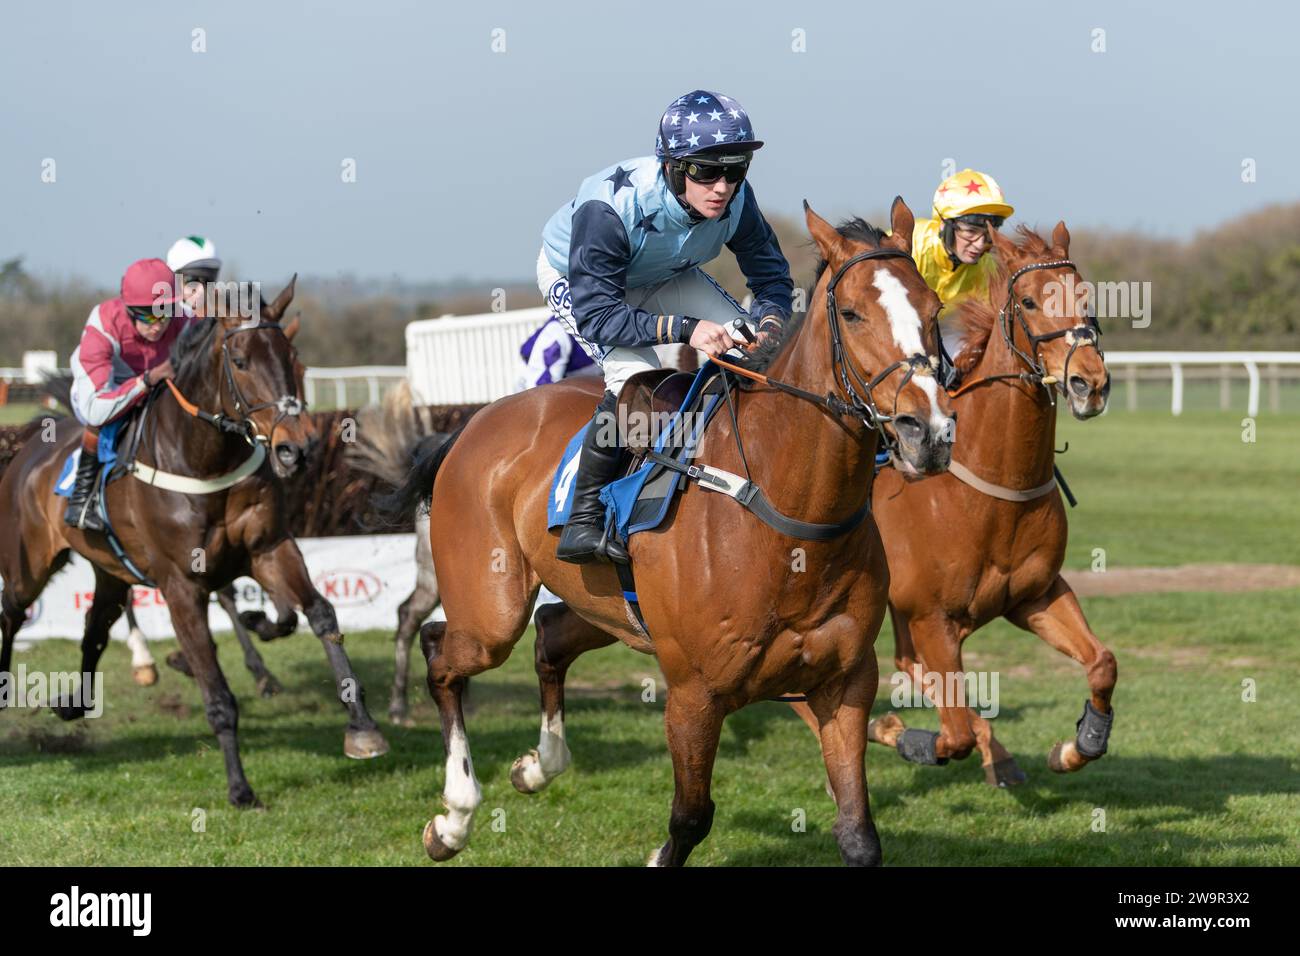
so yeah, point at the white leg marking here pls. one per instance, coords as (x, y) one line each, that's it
(550, 759)
(140, 656)
(461, 794)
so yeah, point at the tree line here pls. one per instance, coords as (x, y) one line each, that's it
(1236, 286)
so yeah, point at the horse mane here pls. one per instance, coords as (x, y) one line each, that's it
(855, 229)
(975, 317)
(190, 347)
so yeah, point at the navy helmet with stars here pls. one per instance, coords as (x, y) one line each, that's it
(703, 121)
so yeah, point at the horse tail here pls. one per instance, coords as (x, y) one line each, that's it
(58, 386)
(416, 491)
(12, 439)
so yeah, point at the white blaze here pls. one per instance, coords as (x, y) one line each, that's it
(905, 326)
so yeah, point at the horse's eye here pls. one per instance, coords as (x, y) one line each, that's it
(239, 362)
(1027, 302)
(851, 316)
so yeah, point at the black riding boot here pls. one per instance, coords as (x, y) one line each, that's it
(583, 538)
(81, 511)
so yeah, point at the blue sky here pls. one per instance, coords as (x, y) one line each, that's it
(462, 153)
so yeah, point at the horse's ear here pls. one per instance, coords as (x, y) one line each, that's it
(276, 309)
(1061, 241)
(901, 224)
(1006, 249)
(292, 326)
(829, 242)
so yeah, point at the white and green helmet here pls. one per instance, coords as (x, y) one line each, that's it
(195, 257)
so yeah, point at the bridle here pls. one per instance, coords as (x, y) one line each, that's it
(286, 406)
(852, 385)
(1075, 337)
(243, 425)
(849, 379)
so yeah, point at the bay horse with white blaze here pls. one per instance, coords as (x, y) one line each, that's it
(728, 620)
(235, 393)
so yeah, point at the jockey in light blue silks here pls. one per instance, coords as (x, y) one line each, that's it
(620, 267)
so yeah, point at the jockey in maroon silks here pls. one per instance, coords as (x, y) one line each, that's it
(124, 352)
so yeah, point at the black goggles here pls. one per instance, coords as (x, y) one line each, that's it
(979, 220)
(711, 172)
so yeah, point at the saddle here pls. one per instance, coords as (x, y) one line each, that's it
(660, 413)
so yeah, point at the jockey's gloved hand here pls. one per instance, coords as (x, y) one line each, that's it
(768, 326)
(710, 337)
(159, 373)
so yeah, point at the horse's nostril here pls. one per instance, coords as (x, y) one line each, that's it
(1079, 386)
(288, 454)
(908, 428)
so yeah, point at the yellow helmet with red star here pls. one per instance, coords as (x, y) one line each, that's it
(969, 193)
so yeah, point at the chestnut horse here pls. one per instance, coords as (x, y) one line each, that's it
(234, 395)
(728, 620)
(958, 556)
(987, 539)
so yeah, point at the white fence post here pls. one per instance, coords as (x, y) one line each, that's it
(1175, 361)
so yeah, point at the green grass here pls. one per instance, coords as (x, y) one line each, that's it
(18, 414)
(1158, 490)
(1194, 774)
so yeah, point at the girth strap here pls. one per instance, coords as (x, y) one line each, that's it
(199, 486)
(964, 474)
(751, 497)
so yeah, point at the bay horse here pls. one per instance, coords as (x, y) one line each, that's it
(987, 538)
(144, 671)
(736, 611)
(234, 395)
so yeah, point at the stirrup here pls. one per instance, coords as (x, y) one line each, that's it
(611, 549)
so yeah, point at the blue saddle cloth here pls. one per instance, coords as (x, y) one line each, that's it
(107, 455)
(639, 501)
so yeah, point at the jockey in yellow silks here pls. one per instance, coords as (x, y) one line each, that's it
(950, 249)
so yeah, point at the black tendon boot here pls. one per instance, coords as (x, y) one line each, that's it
(583, 538)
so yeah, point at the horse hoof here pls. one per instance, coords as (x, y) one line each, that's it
(268, 686)
(245, 799)
(885, 730)
(438, 851)
(145, 676)
(1004, 773)
(1054, 759)
(364, 744)
(519, 775)
(177, 662)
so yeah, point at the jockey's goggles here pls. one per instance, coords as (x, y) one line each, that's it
(975, 222)
(145, 314)
(706, 173)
